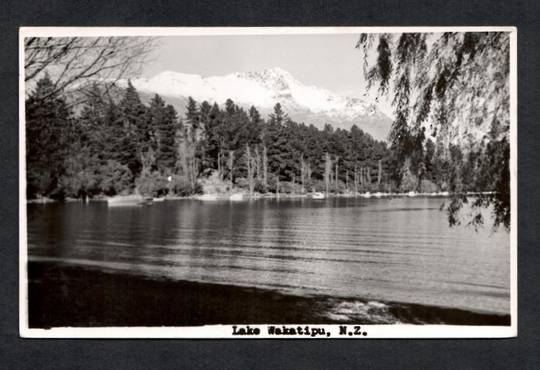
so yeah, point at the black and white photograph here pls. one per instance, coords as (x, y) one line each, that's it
(253, 183)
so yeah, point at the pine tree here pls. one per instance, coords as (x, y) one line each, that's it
(92, 127)
(206, 162)
(136, 134)
(254, 115)
(156, 117)
(278, 116)
(166, 153)
(88, 148)
(48, 133)
(212, 138)
(163, 121)
(193, 120)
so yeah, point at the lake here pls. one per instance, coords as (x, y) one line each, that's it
(371, 250)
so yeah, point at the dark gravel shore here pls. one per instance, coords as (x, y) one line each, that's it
(62, 295)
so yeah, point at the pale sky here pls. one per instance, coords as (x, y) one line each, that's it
(329, 61)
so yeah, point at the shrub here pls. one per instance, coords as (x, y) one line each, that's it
(151, 184)
(197, 189)
(317, 185)
(272, 183)
(427, 186)
(213, 184)
(242, 183)
(114, 178)
(338, 188)
(288, 187)
(260, 187)
(308, 185)
(180, 185)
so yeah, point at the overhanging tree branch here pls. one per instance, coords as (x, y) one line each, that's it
(71, 62)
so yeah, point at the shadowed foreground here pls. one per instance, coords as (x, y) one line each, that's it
(72, 296)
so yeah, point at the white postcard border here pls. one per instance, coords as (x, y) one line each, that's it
(225, 331)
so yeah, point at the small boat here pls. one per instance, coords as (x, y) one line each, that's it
(378, 194)
(317, 195)
(236, 197)
(147, 201)
(412, 194)
(207, 197)
(126, 200)
(366, 195)
(158, 199)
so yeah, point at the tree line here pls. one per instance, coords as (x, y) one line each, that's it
(108, 146)
(103, 145)
(116, 144)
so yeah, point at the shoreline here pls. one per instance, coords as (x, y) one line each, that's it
(61, 295)
(256, 196)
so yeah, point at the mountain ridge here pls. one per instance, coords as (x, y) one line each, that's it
(263, 89)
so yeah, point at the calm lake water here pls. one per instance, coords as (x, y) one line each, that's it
(398, 250)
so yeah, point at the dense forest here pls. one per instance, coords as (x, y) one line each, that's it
(109, 146)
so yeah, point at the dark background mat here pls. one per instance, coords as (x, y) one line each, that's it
(521, 352)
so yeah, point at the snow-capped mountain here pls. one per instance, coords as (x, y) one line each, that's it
(308, 104)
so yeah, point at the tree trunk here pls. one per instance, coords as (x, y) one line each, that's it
(257, 164)
(308, 172)
(355, 180)
(265, 168)
(249, 170)
(184, 160)
(327, 169)
(194, 167)
(336, 181)
(231, 159)
(220, 171)
(302, 173)
(379, 174)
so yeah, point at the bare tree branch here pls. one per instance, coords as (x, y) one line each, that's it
(73, 61)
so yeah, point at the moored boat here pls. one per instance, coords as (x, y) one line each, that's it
(207, 197)
(236, 197)
(317, 195)
(126, 200)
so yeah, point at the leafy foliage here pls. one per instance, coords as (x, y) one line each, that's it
(151, 183)
(455, 85)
